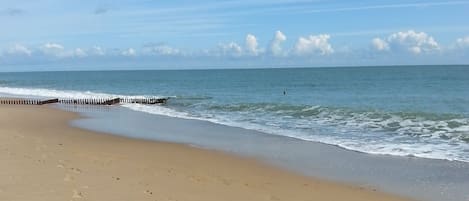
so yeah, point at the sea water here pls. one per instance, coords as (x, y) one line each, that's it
(420, 111)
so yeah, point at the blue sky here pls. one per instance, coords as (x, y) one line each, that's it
(144, 34)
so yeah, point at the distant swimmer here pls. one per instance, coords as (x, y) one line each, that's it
(284, 92)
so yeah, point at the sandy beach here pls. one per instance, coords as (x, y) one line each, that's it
(42, 158)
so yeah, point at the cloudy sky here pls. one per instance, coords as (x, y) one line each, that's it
(148, 34)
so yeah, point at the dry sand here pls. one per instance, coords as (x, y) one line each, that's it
(42, 158)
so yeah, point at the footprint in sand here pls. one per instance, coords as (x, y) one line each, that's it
(148, 192)
(75, 170)
(77, 194)
(170, 171)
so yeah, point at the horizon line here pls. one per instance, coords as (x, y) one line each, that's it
(248, 68)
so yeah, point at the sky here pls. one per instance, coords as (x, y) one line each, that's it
(181, 34)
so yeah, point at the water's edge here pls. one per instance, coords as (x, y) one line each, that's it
(422, 179)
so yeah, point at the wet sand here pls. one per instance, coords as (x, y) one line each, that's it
(43, 158)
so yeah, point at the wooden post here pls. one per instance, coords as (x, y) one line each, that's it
(55, 100)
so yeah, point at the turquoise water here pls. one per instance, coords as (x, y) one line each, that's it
(421, 111)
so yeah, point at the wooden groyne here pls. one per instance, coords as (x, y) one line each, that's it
(27, 102)
(145, 100)
(87, 101)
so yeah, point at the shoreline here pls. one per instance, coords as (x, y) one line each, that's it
(416, 178)
(43, 152)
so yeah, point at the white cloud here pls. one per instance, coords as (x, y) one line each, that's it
(79, 53)
(314, 44)
(233, 49)
(415, 50)
(59, 51)
(230, 49)
(19, 49)
(379, 44)
(160, 50)
(53, 46)
(97, 50)
(463, 42)
(275, 44)
(252, 45)
(53, 49)
(409, 41)
(129, 52)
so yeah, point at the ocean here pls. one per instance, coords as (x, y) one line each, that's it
(419, 111)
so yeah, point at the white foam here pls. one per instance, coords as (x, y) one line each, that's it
(427, 148)
(159, 110)
(52, 93)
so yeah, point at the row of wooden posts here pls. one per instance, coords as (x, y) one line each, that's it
(90, 101)
(21, 102)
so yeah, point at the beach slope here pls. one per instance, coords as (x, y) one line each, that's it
(43, 158)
